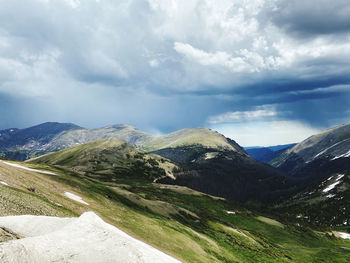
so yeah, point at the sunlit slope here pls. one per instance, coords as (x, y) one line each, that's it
(186, 137)
(109, 159)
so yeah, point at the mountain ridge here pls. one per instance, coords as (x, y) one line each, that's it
(22, 146)
(328, 145)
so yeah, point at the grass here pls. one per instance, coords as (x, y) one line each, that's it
(186, 224)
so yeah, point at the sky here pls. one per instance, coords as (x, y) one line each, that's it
(262, 72)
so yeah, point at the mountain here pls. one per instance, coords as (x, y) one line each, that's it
(200, 136)
(327, 152)
(185, 145)
(266, 154)
(22, 144)
(186, 224)
(123, 132)
(219, 171)
(193, 157)
(211, 163)
(234, 176)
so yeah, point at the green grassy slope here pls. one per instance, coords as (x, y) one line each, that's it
(186, 224)
(108, 159)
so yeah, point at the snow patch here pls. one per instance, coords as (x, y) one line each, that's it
(31, 226)
(3, 183)
(75, 198)
(210, 155)
(325, 150)
(347, 154)
(85, 239)
(231, 212)
(331, 186)
(330, 195)
(344, 235)
(28, 169)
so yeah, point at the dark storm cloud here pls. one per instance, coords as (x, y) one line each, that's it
(312, 18)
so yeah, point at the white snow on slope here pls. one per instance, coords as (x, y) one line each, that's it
(347, 154)
(326, 150)
(28, 169)
(85, 239)
(344, 235)
(3, 183)
(331, 186)
(75, 198)
(210, 155)
(31, 226)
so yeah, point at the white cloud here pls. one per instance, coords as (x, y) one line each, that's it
(74, 3)
(235, 64)
(154, 63)
(261, 113)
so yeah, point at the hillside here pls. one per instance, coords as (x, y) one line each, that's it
(326, 148)
(326, 203)
(231, 175)
(211, 163)
(188, 225)
(109, 159)
(227, 174)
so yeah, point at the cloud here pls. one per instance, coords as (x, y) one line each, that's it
(267, 133)
(261, 113)
(166, 65)
(310, 19)
(235, 64)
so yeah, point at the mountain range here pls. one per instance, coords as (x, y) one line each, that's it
(189, 157)
(179, 191)
(197, 157)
